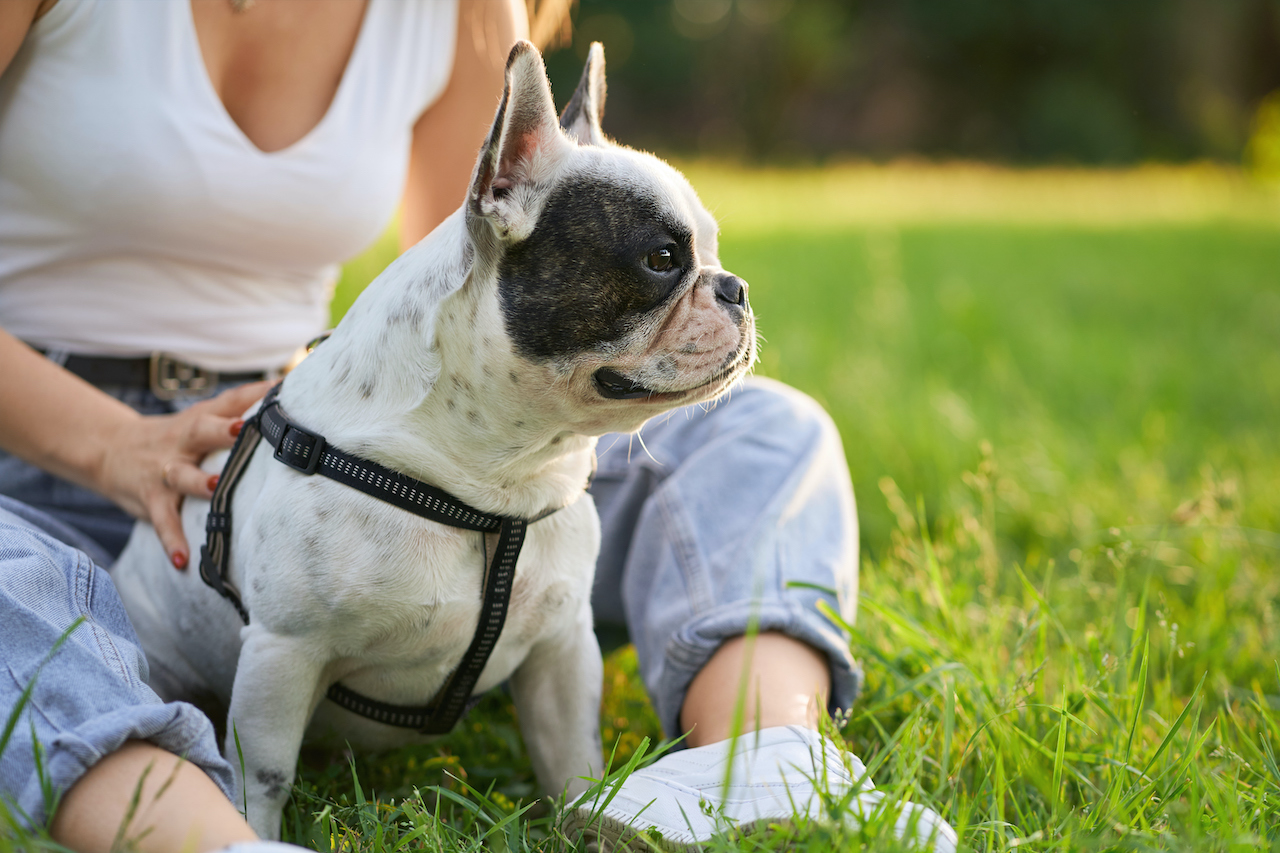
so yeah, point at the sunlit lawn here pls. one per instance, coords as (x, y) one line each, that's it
(1059, 393)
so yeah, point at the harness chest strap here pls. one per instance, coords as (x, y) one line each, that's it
(308, 453)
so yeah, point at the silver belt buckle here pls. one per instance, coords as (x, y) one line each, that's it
(172, 379)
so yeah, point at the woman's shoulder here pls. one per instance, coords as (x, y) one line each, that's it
(414, 45)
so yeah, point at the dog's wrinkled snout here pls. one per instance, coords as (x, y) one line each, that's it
(732, 291)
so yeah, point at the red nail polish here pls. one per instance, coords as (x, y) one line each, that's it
(179, 560)
(236, 427)
(213, 482)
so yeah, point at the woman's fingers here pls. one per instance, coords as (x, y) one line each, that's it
(215, 423)
(165, 518)
(210, 425)
(178, 477)
(186, 478)
(156, 461)
(233, 401)
(207, 432)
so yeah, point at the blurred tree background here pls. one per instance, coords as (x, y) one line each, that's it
(1020, 81)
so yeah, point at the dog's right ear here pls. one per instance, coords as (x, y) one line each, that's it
(525, 147)
(582, 115)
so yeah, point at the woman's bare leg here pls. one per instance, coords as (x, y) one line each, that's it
(787, 683)
(180, 808)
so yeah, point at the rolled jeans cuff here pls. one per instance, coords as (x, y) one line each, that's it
(693, 645)
(175, 727)
(88, 685)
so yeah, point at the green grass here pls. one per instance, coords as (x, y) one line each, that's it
(1059, 395)
(1060, 400)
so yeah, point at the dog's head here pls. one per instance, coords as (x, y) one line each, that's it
(604, 261)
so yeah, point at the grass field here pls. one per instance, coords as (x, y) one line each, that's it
(1059, 394)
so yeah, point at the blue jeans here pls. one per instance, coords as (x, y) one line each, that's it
(92, 695)
(708, 517)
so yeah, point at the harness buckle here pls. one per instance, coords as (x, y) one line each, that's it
(299, 453)
(171, 378)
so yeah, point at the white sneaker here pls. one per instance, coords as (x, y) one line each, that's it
(681, 801)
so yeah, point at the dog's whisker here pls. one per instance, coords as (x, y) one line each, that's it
(640, 438)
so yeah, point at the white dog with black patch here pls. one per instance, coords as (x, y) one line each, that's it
(576, 292)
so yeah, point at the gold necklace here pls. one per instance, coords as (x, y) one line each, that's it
(242, 5)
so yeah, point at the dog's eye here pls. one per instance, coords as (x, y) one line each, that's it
(661, 260)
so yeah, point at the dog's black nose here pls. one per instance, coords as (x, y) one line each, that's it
(731, 290)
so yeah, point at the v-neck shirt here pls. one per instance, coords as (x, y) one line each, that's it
(137, 217)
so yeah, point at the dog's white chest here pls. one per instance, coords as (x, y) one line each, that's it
(391, 601)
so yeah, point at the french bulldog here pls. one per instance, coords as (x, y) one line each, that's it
(576, 292)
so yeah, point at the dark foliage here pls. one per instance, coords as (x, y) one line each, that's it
(1087, 81)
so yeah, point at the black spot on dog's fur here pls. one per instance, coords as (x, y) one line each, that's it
(580, 281)
(275, 781)
(515, 379)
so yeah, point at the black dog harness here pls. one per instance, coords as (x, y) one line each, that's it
(308, 453)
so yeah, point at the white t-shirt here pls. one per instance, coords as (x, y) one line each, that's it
(136, 216)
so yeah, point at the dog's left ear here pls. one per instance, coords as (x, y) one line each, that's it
(582, 115)
(524, 147)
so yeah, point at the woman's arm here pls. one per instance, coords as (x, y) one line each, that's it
(59, 422)
(447, 138)
(16, 17)
(146, 464)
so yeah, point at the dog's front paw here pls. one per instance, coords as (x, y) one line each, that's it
(265, 796)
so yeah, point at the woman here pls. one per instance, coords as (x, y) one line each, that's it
(182, 179)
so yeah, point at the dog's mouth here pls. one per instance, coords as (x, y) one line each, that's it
(614, 386)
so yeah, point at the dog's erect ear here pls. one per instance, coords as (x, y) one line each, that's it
(582, 115)
(524, 147)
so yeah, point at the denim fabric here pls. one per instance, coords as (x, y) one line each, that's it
(707, 518)
(90, 696)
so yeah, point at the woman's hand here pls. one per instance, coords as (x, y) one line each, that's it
(145, 463)
(151, 463)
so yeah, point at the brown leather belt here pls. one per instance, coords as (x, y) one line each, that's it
(165, 376)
